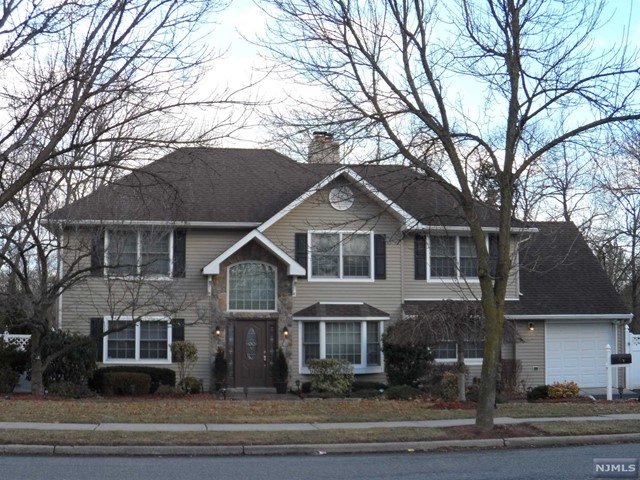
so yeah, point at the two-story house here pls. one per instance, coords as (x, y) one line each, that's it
(248, 250)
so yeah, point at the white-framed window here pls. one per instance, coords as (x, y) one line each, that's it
(146, 341)
(340, 256)
(358, 342)
(451, 258)
(252, 287)
(146, 253)
(447, 352)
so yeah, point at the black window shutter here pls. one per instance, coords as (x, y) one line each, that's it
(96, 333)
(177, 332)
(97, 254)
(420, 257)
(179, 252)
(379, 257)
(301, 249)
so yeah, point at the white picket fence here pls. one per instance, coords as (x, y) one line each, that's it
(21, 342)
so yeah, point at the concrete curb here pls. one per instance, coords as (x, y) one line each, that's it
(317, 449)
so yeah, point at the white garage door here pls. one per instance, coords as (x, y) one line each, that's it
(576, 352)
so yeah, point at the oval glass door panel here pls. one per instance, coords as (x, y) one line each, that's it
(252, 343)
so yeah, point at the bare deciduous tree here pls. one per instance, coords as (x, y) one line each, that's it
(81, 77)
(91, 90)
(511, 79)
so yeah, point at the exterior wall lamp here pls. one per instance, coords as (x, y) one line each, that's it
(285, 332)
(531, 327)
(217, 332)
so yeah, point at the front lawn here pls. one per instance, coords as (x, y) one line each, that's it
(205, 409)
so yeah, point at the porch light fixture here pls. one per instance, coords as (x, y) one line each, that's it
(531, 327)
(217, 331)
(285, 332)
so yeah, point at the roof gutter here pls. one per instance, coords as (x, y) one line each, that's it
(153, 223)
(606, 316)
(461, 228)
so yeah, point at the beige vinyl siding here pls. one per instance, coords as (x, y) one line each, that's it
(100, 296)
(439, 289)
(530, 352)
(316, 214)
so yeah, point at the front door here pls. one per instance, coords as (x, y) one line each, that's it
(254, 344)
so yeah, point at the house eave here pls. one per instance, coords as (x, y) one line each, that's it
(407, 219)
(293, 267)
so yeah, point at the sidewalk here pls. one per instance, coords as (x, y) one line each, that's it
(308, 449)
(281, 427)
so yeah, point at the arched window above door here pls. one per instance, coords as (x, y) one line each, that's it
(252, 287)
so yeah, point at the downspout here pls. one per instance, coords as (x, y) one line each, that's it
(60, 274)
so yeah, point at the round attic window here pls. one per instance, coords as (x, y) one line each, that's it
(341, 198)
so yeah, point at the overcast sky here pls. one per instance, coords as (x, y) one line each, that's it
(242, 61)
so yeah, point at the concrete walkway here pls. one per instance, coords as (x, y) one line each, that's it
(282, 427)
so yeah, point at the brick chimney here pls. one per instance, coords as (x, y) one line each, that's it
(322, 148)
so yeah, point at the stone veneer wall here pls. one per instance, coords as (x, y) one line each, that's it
(254, 252)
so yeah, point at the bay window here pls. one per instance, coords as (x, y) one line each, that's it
(357, 342)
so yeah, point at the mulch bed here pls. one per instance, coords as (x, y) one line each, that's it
(470, 432)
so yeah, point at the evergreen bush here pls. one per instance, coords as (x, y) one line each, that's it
(405, 364)
(331, 376)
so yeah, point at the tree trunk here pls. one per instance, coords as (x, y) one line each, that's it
(462, 383)
(37, 385)
(494, 320)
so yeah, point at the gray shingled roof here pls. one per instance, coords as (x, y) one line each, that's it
(341, 310)
(249, 185)
(559, 275)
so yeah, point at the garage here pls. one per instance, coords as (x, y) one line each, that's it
(576, 352)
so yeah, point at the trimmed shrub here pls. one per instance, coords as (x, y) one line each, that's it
(69, 389)
(331, 375)
(127, 383)
(563, 390)
(185, 354)
(159, 376)
(405, 364)
(538, 393)
(220, 368)
(8, 379)
(167, 391)
(449, 386)
(190, 385)
(305, 387)
(360, 385)
(403, 392)
(473, 393)
(76, 366)
(368, 393)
